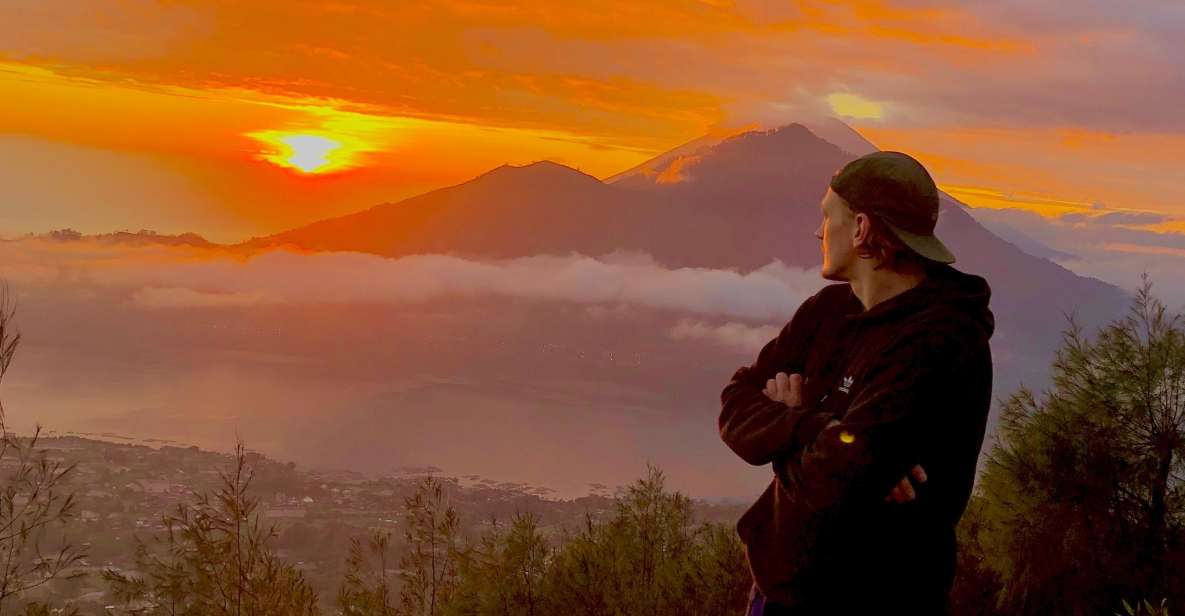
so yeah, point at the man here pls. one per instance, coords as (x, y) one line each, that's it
(870, 406)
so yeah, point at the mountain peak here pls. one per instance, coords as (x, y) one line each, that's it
(793, 131)
(788, 138)
(838, 133)
(538, 171)
(648, 168)
(744, 161)
(791, 136)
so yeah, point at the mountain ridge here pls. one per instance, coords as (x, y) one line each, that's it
(739, 204)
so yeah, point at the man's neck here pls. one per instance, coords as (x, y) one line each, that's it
(873, 287)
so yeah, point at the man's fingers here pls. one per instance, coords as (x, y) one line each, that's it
(907, 489)
(785, 388)
(919, 473)
(794, 397)
(903, 491)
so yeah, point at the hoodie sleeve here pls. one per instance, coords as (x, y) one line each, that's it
(756, 428)
(894, 407)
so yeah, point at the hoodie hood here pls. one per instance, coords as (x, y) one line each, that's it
(944, 288)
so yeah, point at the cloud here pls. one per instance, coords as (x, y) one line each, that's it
(1114, 218)
(1082, 232)
(1109, 246)
(86, 28)
(744, 338)
(437, 355)
(179, 297)
(606, 66)
(161, 277)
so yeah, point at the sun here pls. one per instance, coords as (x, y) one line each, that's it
(309, 152)
(304, 152)
(323, 139)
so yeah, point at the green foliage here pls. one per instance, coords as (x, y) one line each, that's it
(976, 585)
(367, 589)
(1082, 500)
(1144, 608)
(428, 571)
(32, 504)
(214, 560)
(648, 557)
(506, 572)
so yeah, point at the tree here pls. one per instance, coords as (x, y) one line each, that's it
(650, 558)
(505, 574)
(647, 557)
(214, 559)
(35, 503)
(367, 589)
(976, 585)
(719, 578)
(428, 572)
(1144, 608)
(1083, 494)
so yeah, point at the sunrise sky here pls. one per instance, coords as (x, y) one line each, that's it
(240, 118)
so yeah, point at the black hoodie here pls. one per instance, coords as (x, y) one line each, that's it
(910, 383)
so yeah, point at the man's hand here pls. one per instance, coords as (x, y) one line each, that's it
(903, 491)
(787, 389)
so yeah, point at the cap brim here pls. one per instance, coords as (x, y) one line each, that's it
(928, 246)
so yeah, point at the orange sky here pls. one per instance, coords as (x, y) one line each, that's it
(199, 116)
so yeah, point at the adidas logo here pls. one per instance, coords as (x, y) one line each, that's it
(847, 384)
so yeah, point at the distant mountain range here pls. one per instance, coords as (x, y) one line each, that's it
(143, 237)
(737, 202)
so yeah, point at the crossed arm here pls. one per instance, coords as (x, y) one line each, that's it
(763, 429)
(900, 403)
(827, 459)
(787, 389)
(755, 427)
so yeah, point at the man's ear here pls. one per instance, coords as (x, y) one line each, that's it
(862, 227)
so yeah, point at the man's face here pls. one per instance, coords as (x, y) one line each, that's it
(838, 231)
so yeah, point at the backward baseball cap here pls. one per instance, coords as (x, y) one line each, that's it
(897, 189)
